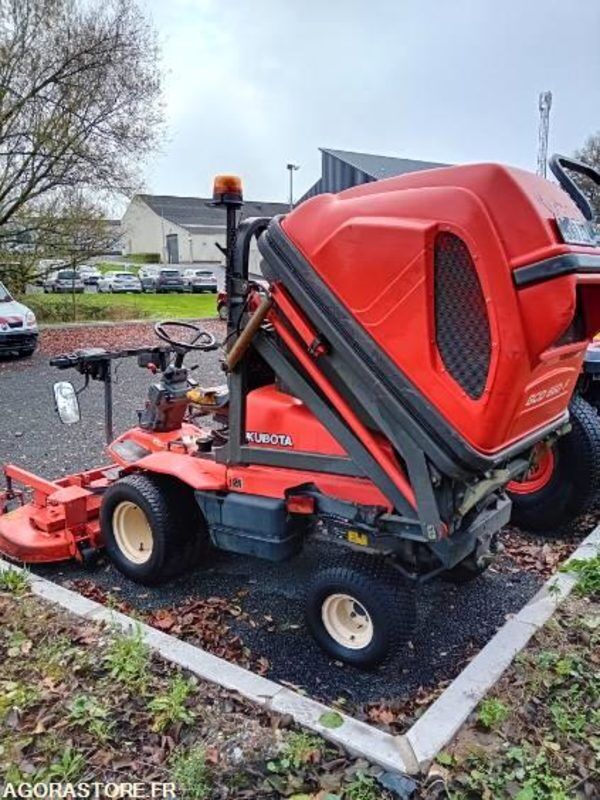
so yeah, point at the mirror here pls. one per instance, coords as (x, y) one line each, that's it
(67, 402)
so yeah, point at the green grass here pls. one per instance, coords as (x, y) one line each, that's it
(170, 707)
(60, 308)
(190, 772)
(588, 575)
(127, 658)
(13, 581)
(492, 713)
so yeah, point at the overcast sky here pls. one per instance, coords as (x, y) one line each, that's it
(253, 84)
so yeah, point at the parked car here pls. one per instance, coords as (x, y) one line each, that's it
(223, 305)
(44, 268)
(147, 276)
(119, 282)
(89, 275)
(169, 280)
(65, 280)
(199, 280)
(261, 286)
(18, 326)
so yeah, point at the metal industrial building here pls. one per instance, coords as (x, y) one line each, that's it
(341, 169)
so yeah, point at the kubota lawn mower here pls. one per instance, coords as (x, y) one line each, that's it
(420, 337)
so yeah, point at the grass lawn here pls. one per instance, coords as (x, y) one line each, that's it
(60, 308)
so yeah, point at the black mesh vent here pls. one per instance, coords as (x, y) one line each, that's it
(461, 321)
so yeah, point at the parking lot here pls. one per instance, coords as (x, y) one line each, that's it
(218, 271)
(454, 621)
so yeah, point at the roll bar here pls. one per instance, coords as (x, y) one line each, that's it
(558, 165)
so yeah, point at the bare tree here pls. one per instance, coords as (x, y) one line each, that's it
(66, 226)
(590, 154)
(79, 105)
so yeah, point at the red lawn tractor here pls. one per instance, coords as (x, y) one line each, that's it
(419, 343)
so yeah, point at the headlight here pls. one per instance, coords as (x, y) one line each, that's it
(30, 319)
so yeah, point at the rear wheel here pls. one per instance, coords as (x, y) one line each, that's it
(564, 479)
(361, 611)
(148, 528)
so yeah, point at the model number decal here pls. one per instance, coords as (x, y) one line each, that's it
(258, 437)
(547, 394)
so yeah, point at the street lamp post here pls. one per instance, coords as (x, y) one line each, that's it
(292, 168)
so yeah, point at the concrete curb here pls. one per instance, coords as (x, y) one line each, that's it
(442, 720)
(356, 737)
(410, 753)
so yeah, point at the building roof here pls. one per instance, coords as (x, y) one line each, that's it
(379, 167)
(197, 216)
(341, 169)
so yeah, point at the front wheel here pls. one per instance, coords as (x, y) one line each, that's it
(564, 479)
(151, 528)
(361, 611)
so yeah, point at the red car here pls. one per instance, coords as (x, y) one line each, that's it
(222, 305)
(223, 300)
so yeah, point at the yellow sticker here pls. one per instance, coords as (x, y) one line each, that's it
(358, 538)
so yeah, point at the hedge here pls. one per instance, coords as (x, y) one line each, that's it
(144, 258)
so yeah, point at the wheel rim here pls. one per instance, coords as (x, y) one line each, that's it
(347, 621)
(132, 532)
(539, 474)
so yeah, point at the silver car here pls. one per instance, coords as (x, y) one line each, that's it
(119, 282)
(199, 280)
(65, 280)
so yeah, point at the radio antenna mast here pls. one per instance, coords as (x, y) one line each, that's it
(545, 104)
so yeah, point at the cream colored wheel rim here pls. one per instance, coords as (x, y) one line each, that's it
(347, 621)
(132, 532)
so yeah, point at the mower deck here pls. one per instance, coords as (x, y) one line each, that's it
(60, 521)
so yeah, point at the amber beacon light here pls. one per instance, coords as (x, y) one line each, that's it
(227, 189)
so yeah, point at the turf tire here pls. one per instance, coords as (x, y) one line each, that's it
(575, 483)
(190, 523)
(388, 598)
(156, 497)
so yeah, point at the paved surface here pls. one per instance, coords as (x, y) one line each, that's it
(453, 621)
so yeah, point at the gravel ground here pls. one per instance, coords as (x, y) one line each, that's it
(453, 621)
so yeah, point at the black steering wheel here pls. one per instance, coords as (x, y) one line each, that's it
(201, 341)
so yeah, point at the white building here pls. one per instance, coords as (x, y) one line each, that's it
(184, 229)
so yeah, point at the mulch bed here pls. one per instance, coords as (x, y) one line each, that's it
(54, 341)
(81, 703)
(535, 737)
(208, 622)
